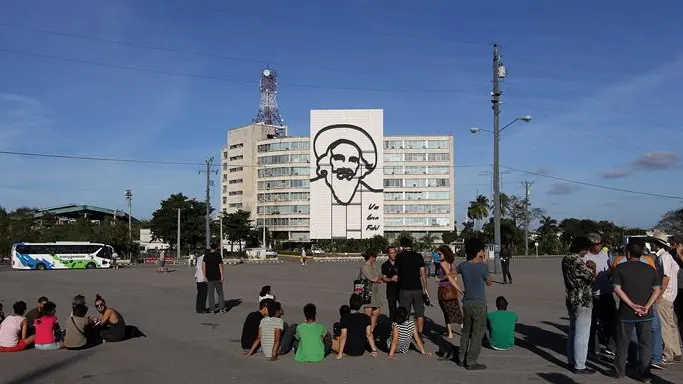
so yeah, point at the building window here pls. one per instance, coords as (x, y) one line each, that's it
(234, 193)
(393, 208)
(416, 195)
(236, 181)
(437, 144)
(439, 170)
(437, 182)
(225, 155)
(439, 195)
(284, 146)
(393, 195)
(438, 157)
(393, 144)
(238, 157)
(300, 158)
(393, 170)
(415, 144)
(415, 183)
(236, 169)
(414, 156)
(235, 205)
(415, 170)
(225, 200)
(240, 145)
(225, 188)
(275, 159)
(393, 221)
(389, 157)
(225, 177)
(393, 183)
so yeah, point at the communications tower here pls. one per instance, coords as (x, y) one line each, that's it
(268, 113)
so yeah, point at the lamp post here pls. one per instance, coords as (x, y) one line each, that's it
(496, 182)
(220, 217)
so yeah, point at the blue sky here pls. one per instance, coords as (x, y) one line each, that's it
(601, 81)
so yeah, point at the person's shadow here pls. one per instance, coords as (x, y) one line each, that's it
(229, 304)
(435, 334)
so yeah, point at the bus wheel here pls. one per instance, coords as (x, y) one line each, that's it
(40, 266)
(90, 266)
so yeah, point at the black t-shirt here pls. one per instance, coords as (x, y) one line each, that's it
(356, 326)
(389, 270)
(250, 329)
(212, 261)
(408, 264)
(636, 279)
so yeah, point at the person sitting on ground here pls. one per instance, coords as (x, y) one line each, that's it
(14, 330)
(77, 300)
(78, 328)
(112, 325)
(311, 337)
(336, 327)
(501, 326)
(265, 294)
(48, 331)
(270, 332)
(403, 331)
(34, 313)
(2, 313)
(356, 331)
(252, 322)
(287, 342)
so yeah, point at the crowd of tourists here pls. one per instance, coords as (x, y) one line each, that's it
(40, 328)
(625, 306)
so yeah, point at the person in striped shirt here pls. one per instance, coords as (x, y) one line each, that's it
(269, 334)
(403, 332)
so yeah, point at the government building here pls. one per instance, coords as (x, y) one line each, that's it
(346, 180)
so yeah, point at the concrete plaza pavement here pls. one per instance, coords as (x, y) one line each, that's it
(184, 347)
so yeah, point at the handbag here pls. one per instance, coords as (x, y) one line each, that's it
(448, 293)
(363, 288)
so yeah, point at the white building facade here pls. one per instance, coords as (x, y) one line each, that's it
(394, 183)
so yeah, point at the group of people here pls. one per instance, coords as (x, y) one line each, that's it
(627, 306)
(404, 275)
(40, 328)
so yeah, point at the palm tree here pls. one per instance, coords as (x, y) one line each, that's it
(479, 208)
(504, 205)
(548, 225)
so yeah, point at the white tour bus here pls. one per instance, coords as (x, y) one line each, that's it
(61, 255)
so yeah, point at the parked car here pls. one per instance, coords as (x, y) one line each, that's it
(270, 253)
(317, 251)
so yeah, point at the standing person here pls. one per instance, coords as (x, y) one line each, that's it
(677, 254)
(212, 267)
(311, 337)
(202, 286)
(475, 278)
(162, 262)
(367, 270)
(412, 281)
(638, 287)
(578, 282)
(303, 256)
(449, 290)
(603, 316)
(390, 278)
(505, 255)
(665, 306)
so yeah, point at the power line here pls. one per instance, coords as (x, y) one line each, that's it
(220, 78)
(594, 185)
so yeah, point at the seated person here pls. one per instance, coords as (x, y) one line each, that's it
(2, 313)
(111, 325)
(48, 331)
(14, 330)
(311, 337)
(78, 329)
(33, 314)
(251, 324)
(78, 300)
(356, 331)
(269, 335)
(265, 293)
(287, 342)
(501, 326)
(403, 331)
(336, 327)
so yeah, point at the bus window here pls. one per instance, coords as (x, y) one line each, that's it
(105, 252)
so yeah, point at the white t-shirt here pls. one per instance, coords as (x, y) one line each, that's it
(266, 296)
(602, 284)
(198, 273)
(10, 329)
(268, 326)
(670, 268)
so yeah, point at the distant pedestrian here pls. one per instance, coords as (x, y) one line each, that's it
(303, 257)
(162, 262)
(212, 267)
(505, 256)
(202, 288)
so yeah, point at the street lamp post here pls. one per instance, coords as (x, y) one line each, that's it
(220, 216)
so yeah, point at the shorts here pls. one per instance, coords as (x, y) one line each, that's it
(408, 299)
(47, 347)
(21, 345)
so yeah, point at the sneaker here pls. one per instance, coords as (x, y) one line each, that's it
(476, 367)
(658, 365)
(609, 352)
(585, 371)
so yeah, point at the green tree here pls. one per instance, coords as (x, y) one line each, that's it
(479, 208)
(449, 237)
(237, 228)
(504, 205)
(404, 235)
(164, 223)
(548, 225)
(672, 222)
(376, 243)
(5, 237)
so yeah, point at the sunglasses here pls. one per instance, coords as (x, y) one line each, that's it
(99, 305)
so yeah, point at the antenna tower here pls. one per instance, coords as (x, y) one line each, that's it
(268, 113)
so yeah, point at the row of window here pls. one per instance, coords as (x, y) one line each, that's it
(416, 221)
(236, 169)
(283, 196)
(438, 156)
(415, 183)
(235, 193)
(284, 146)
(285, 221)
(282, 209)
(417, 208)
(416, 170)
(284, 159)
(51, 249)
(238, 157)
(431, 195)
(284, 171)
(235, 205)
(283, 184)
(236, 181)
(414, 144)
(240, 145)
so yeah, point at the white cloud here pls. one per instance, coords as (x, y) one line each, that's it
(656, 160)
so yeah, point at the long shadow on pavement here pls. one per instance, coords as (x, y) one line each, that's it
(50, 368)
(556, 378)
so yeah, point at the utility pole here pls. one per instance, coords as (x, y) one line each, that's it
(220, 215)
(209, 183)
(527, 186)
(129, 198)
(177, 252)
(498, 72)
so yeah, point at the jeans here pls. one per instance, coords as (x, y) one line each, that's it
(218, 287)
(643, 330)
(657, 343)
(392, 302)
(200, 303)
(473, 329)
(505, 264)
(579, 334)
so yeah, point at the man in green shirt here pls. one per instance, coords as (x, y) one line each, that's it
(311, 337)
(501, 324)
